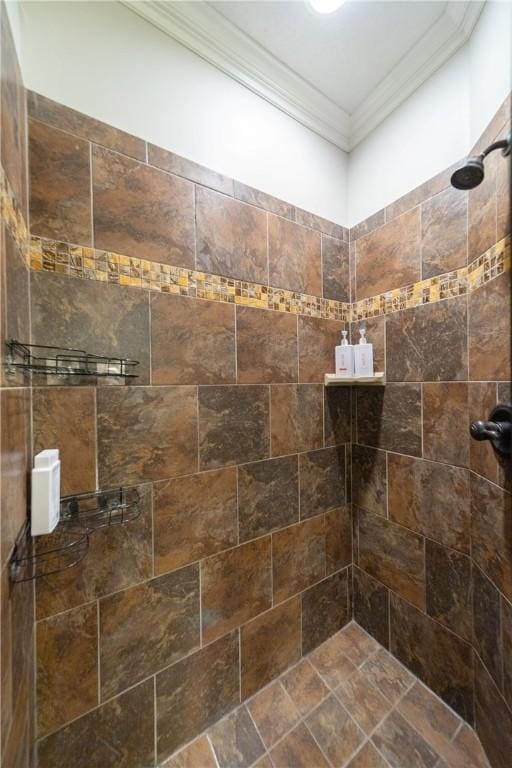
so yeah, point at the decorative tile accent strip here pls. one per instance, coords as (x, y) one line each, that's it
(105, 266)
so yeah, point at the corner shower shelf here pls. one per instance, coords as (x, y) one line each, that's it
(81, 516)
(332, 380)
(64, 361)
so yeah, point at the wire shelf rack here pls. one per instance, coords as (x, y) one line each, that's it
(80, 516)
(63, 361)
(100, 509)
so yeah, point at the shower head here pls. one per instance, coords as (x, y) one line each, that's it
(471, 174)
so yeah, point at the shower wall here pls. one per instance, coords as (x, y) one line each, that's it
(433, 518)
(16, 600)
(241, 559)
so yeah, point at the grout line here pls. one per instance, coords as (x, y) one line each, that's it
(98, 653)
(155, 719)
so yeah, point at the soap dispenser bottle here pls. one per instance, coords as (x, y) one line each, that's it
(344, 358)
(363, 356)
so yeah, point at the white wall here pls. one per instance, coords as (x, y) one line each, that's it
(439, 123)
(105, 61)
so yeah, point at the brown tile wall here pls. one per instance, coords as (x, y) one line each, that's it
(432, 543)
(242, 461)
(16, 600)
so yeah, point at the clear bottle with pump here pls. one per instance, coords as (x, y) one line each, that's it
(344, 358)
(363, 356)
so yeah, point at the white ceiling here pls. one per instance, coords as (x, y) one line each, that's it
(339, 74)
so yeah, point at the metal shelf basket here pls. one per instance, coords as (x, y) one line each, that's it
(61, 550)
(100, 509)
(63, 361)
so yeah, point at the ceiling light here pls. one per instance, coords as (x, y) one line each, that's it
(325, 6)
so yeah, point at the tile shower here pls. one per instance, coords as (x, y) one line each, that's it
(273, 510)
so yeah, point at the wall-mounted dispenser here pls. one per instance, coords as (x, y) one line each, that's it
(45, 502)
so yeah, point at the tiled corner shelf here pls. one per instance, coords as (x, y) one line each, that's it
(332, 380)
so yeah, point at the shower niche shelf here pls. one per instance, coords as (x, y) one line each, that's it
(332, 380)
(66, 361)
(80, 516)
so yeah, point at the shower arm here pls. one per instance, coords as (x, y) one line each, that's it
(504, 144)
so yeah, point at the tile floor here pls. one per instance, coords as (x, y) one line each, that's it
(348, 704)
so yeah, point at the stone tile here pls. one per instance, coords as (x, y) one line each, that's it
(465, 751)
(490, 532)
(294, 257)
(358, 644)
(444, 232)
(118, 557)
(194, 517)
(393, 555)
(337, 415)
(429, 716)
(384, 672)
(396, 422)
(298, 749)
(448, 584)
(324, 610)
(233, 425)
(192, 341)
(13, 134)
(482, 211)
(305, 687)
(198, 753)
(268, 496)
(428, 189)
(235, 740)
(263, 200)
(395, 247)
(148, 627)
(236, 585)
(369, 477)
(489, 358)
(140, 211)
(56, 413)
(439, 658)
(322, 481)
(482, 399)
(317, 340)
(264, 762)
(490, 709)
(487, 625)
(231, 237)
(368, 757)
(367, 225)
(428, 343)
(146, 433)
(296, 421)
(298, 557)
(364, 701)
(375, 328)
(195, 692)
(338, 538)
(402, 745)
(67, 667)
(331, 663)
(118, 734)
(506, 629)
(445, 412)
(504, 222)
(60, 185)
(274, 713)
(59, 116)
(335, 731)
(432, 499)
(180, 166)
(311, 220)
(266, 347)
(261, 658)
(14, 465)
(335, 269)
(15, 299)
(371, 606)
(77, 313)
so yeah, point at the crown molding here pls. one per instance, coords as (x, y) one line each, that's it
(203, 30)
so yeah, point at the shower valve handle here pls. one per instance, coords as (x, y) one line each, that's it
(498, 429)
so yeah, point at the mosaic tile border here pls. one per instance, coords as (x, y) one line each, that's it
(105, 266)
